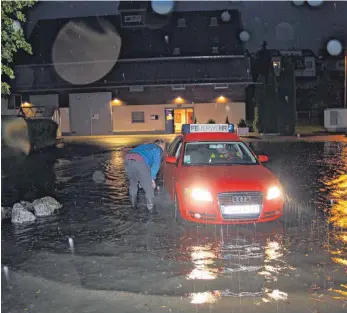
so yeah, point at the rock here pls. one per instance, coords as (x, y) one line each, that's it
(28, 206)
(6, 213)
(21, 215)
(46, 206)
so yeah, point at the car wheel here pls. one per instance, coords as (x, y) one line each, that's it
(177, 209)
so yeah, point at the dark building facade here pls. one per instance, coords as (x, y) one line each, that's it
(193, 48)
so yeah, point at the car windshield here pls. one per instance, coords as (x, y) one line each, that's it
(222, 153)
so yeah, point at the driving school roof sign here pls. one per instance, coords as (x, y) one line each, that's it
(207, 128)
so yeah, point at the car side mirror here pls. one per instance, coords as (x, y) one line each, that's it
(263, 158)
(170, 160)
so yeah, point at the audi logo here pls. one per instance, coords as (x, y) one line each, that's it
(240, 199)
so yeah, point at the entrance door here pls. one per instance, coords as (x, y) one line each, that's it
(169, 121)
(182, 116)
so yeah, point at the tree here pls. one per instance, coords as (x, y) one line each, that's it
(326, 91)
(287, 98)
(12, 38)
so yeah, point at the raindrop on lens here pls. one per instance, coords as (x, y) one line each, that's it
(71, 245)
(245, 36)
(334, 47)
(98, 177)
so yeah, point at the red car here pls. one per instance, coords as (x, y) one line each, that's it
(213, 177)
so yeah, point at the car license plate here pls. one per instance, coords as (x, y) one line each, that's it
(241, 209)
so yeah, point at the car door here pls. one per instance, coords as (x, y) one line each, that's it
(169, 168)
(175, 168)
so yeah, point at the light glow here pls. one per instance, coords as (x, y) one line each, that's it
(201, 195)
(273, 193)
(178, 100)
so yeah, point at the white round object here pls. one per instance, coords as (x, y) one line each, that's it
(315, 3)
(225, 16)
(245, 36)
(16, 26)
(284, 32)
(98, 177)
(298, 3)
(162, 6)
(334, 47)
(82, 55)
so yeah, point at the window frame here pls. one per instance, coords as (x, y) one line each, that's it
(221, 164)
(134, 121)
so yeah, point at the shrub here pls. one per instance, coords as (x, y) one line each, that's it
(227, 120)
(242, 123)
(256, 121)
(211, 121)
(42, 133)
(195, 120)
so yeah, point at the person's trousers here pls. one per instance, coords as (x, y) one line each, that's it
(138, 171)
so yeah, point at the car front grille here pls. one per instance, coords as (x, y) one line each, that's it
(239, 199)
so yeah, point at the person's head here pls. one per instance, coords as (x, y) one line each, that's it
(161, 143)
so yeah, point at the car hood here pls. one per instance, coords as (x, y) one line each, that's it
(227, 178)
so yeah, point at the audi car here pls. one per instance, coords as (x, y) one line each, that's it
(213, 177)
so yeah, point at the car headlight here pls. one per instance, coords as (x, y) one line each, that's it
(201, 195)
(273, 193)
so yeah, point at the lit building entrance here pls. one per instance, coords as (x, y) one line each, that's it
(182, 116)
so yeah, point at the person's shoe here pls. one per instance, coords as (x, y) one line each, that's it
(151, 209)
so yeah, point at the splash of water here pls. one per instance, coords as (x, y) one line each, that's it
(7, 274)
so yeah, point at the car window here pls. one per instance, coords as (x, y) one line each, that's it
(175, 146)
(178, 150)
(212, 153)
(172, 146)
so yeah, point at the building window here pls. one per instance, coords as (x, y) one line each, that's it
(276, 64)
(176, 51)
(213, 22)
(309, 64)
(181, 22)
(137, 117)
(215, 50)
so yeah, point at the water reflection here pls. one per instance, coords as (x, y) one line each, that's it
(203, 259)
(238, 261)
(337, 187)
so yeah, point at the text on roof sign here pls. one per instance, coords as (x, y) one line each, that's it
(209, 128)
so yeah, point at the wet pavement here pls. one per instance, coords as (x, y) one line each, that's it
(98, 255)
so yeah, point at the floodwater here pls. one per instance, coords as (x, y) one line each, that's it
(98, 255)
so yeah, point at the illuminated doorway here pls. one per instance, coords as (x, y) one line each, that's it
(182, 116)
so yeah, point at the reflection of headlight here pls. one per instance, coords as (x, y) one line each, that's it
(201, 195)
(273, 193)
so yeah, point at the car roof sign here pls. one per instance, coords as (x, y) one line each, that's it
(207, 128)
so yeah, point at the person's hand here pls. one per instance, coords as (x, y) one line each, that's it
(153, 184)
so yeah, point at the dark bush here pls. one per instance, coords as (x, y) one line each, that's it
(42, 133)
(242, 123)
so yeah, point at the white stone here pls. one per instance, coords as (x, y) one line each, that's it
(46, 206)
(21, 215)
